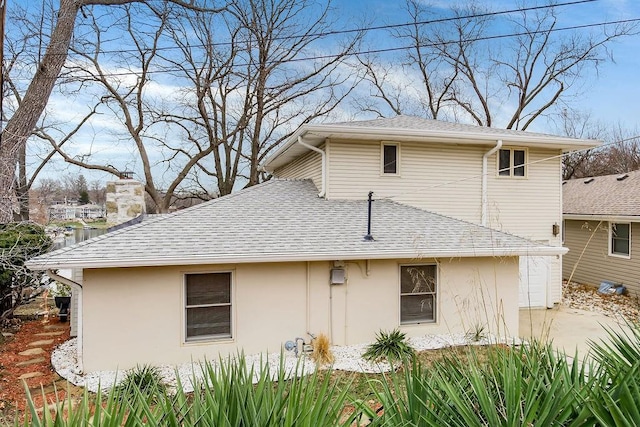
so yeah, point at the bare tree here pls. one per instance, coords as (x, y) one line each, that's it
(22, 123)
(483, 77)
(620, 152)
(240, 98)
(248, 94)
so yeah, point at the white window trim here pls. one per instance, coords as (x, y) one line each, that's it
(207, 339)
(511, 166)
(398, 157)
(611, 253)
(436, 294)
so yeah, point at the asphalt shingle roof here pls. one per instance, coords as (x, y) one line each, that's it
(420, 123)
(284, 220)
(603, 195)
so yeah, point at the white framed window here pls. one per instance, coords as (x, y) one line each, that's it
(207, 306)
(418, 293)
(390, 158)
(512, 162)
(620, 239)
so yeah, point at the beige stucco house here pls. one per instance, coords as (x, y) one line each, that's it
(601, 218)
(455, 210)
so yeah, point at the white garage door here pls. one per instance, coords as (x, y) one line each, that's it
(534, 280)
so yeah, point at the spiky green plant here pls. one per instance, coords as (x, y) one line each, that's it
(143, 380)
(231, 393)
(391, 346)
(528, 386)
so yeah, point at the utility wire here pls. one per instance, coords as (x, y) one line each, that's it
(392, 49)
(370, 28)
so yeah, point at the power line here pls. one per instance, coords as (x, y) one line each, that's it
(398, 48)
(372, 28)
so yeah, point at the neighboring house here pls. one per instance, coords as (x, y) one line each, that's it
(65, 211)
(293, 256)
(602, 230)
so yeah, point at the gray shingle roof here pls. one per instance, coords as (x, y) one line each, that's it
(420, 123)
(284, 220)
(603, 195)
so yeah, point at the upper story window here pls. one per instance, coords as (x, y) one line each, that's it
(418, 286)
(620, 239)
(390, 159)
(512, 162)
(207, 306)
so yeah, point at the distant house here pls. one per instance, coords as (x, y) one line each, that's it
(71, 211)
(602, 230)
(464, 229)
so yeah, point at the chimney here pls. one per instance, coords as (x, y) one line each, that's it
(125, 199)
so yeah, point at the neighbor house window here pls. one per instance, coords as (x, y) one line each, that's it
(208, 306)
(418, 284)
(620, 239)
(390, 158)
(512, 162)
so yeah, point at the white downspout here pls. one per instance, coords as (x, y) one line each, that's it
(485, 202)
(76, 287)
(324, 162)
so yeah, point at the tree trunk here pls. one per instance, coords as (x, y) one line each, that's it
(20, 126)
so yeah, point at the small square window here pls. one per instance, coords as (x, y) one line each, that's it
(620, 239)
(418, 285)
(512, 162)
(390, 159)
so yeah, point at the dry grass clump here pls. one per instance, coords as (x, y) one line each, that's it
(322, 354)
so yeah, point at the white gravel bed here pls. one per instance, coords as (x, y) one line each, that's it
(347, 358)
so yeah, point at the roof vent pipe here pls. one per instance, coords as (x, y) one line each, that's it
(369, 237)
(485, 202)
(324, 163)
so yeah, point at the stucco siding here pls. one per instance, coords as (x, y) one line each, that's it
(595, 264)
(308, 166)
(438, 178)
(136, 315)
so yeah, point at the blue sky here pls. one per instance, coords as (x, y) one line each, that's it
(610, 96)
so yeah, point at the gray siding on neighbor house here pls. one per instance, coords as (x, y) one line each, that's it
(596, 264)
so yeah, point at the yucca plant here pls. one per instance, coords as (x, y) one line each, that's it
(614, 401)
(532, 385)
(390, 346)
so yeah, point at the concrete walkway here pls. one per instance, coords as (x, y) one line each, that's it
(568, 328)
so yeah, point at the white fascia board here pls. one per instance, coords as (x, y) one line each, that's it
(599, 217)
(266, 258)
(442, 136)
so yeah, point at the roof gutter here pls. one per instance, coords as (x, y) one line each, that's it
(292, 257)
(485, 201)
(324, 164)
(76, 287)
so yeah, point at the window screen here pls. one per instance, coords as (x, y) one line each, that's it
(390, 159)
(208, 305)
(418, 293)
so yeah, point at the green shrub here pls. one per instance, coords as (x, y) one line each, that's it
(392, 346)
(143, 380)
